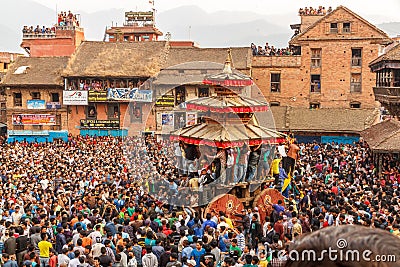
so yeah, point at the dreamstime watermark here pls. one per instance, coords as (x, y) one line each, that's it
(341, 253)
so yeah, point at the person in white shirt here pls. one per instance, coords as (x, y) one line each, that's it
(62, 259)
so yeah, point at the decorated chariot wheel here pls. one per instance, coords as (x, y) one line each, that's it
(227, 203)
(265, 200)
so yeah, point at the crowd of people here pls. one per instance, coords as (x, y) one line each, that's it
(105, 201)
(309, 11)
(103, 85)
(64, 19)
(268, 50)
(44, 30)
(67, 19)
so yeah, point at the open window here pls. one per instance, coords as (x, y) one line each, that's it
(180, 95)
(203, 92)
(355, 83)
(17, 100)
(315, 105)
(274, 104)
(35, 95)
(355, 105)
(315, 83)
(91, 112)
(113, 111)
(316, 57)
(356, 57)
(333, 27)
(275, 82)
(55, 97)
(346, 27)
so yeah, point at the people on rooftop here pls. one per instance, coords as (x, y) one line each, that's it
(311, 11)
(67, 19)
(268, 50)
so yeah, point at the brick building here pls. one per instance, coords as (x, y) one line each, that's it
(331, 71)
(112, 75)
(33, 89)
(6, 60)
(57, 41)
(138, 27)
(387, 87)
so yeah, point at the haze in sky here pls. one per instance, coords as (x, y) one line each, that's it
(383, 11)
(210, 23)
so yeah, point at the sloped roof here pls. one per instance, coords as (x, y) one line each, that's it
(391, 55)
(322, 120)
(120, 59)
(299, 37)
(39, 71)
(241, 56)
(384, 136)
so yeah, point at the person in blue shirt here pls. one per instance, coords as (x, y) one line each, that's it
(8, 262)
(198, 229)
(278, 207)
(209, 222)
(197, 253)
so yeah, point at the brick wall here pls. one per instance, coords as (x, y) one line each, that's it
(336, 65)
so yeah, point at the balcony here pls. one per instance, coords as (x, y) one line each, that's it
(387, 95)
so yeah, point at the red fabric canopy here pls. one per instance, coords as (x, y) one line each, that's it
(228, 82)
(243, 109)
(253, 142)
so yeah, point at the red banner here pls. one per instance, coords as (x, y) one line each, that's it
(33, 119)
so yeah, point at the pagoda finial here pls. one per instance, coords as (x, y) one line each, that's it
(228, 62)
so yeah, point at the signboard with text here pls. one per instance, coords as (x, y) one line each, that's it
(100, 124)
(35, 104)
(128, 94)
(53, 105)
(165, 101)
(75, 98)
(33, 119)
(95, 96)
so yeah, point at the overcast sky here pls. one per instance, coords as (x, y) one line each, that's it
(375, 11)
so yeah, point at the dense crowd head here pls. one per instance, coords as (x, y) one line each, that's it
(104, 201)
(270, 50)
(312, 11)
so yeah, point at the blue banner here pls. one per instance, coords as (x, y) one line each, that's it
(36, 104)
(127, 94)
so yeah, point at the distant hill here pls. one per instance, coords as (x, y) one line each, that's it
(221, 28)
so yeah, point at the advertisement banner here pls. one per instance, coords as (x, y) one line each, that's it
(136, 113)
(36, 104)
(167, 119)
(165, 101)
(75, 98)
(100, 124)
(127, 94)
(53, 105)
(95, 96)
(33, 119)
(191, 119)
